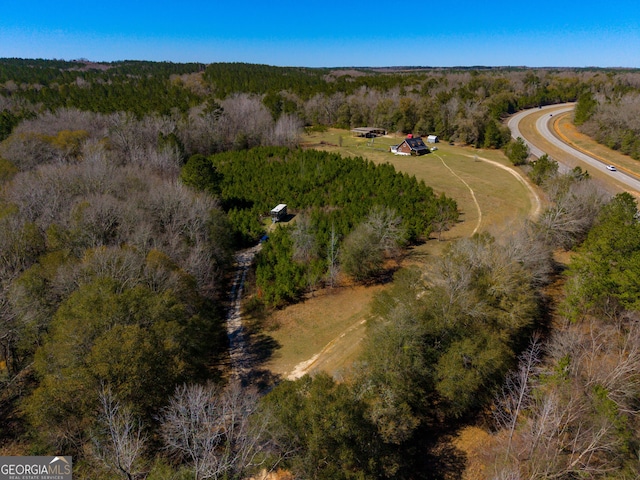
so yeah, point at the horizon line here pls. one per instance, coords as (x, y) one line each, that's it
(389, 67)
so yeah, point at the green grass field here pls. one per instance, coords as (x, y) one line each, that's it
(498, 193)
(331, 324)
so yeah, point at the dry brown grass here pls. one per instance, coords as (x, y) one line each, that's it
(307, 328)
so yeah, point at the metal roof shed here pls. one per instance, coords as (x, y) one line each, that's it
(368, 132)
(279, 212)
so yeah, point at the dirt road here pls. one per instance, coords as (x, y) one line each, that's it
(238, 342)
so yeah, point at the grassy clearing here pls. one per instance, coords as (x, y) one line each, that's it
(331, 323)
(305, 329)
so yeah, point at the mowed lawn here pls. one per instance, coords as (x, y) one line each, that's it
(326, 330)
(499, 194)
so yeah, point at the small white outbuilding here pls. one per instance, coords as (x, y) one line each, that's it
(279, 212)
(432, 139)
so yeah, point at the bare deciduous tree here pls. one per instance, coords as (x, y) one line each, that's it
(304, 240)
(515, 395)
(200, 132)
(387, 225)
(245, 121)
(72, 119)
(578, 419)
(333, 253)
(575, 207)
(8, 334)
(214, 430)
(120, 442)
(125, 265)
(286, 131)
(521, 242)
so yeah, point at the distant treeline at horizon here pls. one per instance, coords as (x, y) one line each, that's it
(465, 104)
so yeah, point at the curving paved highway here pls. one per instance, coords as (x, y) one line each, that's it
(543, 126)
(514, 123)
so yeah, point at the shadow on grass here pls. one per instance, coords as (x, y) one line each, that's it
(260, 345)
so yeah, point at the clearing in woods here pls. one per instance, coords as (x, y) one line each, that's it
(325, 331)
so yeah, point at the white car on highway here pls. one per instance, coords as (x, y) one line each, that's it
(611, 168)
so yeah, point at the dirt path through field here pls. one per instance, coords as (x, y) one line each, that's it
(309, 365)
(536, 203)
(473, 194)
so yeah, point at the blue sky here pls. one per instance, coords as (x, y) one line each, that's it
(331, 33)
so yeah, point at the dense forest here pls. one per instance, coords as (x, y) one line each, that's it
(608, 111)
(126, 187)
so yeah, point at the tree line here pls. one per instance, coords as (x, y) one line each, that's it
(463, 105)
(608, 112)
(112, 282)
